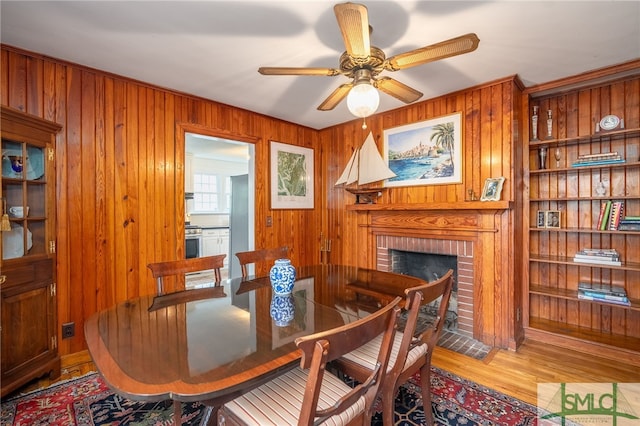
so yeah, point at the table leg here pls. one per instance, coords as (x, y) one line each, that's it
(177, 412)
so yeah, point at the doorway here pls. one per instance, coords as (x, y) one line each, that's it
(219, 196)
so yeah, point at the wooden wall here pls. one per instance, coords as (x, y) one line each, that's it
(120, 160)
(119, 168)
(491, 128)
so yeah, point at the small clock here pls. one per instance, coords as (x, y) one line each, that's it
(609, 122)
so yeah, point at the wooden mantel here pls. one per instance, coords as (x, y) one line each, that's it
(456, 205)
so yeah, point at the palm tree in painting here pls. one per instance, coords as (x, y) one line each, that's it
(443, 135)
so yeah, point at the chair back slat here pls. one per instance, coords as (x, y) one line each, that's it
(262, 255)
(159, 270)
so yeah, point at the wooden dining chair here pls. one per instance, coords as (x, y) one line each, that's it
(177, 268)
(309, 394)
(411, 351)
(263, 255)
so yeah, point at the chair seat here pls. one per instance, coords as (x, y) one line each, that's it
(367, 354)
(279, 401)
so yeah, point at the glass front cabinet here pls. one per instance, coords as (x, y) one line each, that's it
(27, 270)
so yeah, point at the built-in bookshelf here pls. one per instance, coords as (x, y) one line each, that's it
(575, 173)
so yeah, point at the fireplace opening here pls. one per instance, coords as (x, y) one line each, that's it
(430, 267)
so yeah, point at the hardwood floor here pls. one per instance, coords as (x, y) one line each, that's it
(513, 373)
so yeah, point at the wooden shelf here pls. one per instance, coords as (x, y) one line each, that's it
(561, 293)
(456, 205)
(571, 190)
(594, 198)
(596, 137)
(583, 231)
(583, 333)
(562, 260)
(629, 164)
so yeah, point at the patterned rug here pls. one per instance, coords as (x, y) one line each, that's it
(87, 401)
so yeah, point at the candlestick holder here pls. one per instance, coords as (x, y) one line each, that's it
(549, 125)
(534, 124)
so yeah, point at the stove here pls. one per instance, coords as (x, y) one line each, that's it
(192, 231)
(193, 241)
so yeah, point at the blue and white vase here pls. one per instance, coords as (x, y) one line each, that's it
(282, 276)
(282, 309)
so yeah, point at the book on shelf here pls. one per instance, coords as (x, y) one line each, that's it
(603, 296)
(597, 261)
(597, 299)
(597, 163)
(614, 290)
(629, 227)
(600, 252)
(603, 208)
(598, 156)
(597, 159)
(602, 225)
(617, 208)
(586, 257)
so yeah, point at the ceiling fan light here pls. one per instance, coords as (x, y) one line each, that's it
(363, 99)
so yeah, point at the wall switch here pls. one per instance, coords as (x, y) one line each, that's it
(68, 330)
(269, 221)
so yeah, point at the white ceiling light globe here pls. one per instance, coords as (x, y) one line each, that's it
(363, 100)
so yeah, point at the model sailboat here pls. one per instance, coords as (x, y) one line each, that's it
(365, 166)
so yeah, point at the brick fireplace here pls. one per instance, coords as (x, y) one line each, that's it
(462, 250)
(478, 235)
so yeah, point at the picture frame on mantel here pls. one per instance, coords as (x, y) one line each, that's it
(291, 176)
(492, 190)
(425, 153)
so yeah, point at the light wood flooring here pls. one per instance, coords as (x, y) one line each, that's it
(513, 373)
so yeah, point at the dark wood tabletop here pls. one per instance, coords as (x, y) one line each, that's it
(213, 343)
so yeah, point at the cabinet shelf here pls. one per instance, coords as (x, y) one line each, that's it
(596, 137)
(603, 198)
(583, 231)
(626, 165)
(563, 260)
(561, 293)
(625, 343)
(552, 314)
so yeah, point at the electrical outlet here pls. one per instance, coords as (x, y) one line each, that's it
(68, 330)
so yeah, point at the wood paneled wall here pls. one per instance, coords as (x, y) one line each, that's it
(120, 159)
(491, 128)
(120, 174)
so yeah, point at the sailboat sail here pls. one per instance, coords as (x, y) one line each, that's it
(366, 165)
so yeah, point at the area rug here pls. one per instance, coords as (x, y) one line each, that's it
(87, 401)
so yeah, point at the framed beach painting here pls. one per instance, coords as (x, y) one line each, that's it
(291, 176)
(425, 153)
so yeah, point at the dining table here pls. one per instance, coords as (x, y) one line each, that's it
(214, 343)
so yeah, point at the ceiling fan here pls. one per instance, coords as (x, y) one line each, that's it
(363, 62)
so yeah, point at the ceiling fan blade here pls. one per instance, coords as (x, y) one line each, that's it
(334, 98)
(298, 71)
(398, 90)
(353, 21)
(445, 49)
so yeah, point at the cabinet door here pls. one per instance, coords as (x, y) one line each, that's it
(28, 340)
(209, 243)
(224, 246)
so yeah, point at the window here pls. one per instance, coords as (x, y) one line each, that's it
(211, 193)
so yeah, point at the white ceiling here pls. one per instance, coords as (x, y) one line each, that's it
(213, 49)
